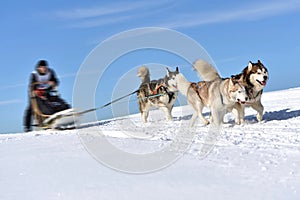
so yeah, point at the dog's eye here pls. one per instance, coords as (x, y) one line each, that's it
(239, 91)
(259, 73)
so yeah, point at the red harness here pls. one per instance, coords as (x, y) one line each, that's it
(155, 91)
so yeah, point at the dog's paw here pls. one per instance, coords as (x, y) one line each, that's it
(259, 117)
(239, 122)
(206, 122)
(169, 119)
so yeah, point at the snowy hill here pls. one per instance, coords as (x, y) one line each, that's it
(253, 161)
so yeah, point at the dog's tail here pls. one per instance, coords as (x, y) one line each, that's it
(144, 74)
(206, 71)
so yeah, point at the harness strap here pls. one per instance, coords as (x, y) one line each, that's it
(196, 87)
(155, 91)
(154, 95)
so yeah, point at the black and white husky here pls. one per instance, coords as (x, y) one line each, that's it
(254, 77)
(220, 95)
(160, 93)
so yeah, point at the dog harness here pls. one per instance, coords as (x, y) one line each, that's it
(196, 87)
(155, 90)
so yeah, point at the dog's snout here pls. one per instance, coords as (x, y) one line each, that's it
(246, 98)
(265, 77)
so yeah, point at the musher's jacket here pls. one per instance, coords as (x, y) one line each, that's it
(40, 81)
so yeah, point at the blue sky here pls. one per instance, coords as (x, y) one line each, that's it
(65, 32)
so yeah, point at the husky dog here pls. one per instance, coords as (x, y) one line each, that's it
(160, 93)
(220, 95)
(255, 77)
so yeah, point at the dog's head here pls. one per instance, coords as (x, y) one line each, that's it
(237, 91)
(144, 74)
(256, 74)
(170, 81)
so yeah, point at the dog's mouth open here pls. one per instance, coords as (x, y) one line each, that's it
(241, 102)
(263, 83)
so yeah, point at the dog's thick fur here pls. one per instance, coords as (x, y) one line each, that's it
(255, 77)
(220, 95)
(160, 93)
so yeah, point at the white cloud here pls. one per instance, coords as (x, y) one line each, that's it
(124, 11)
(111, 13)
(104, 10)
(255, 11)
(83, 13)
(98, 22)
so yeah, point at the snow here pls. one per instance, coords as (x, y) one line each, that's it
(252, 161)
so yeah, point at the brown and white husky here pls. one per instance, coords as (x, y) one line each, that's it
(219, 95)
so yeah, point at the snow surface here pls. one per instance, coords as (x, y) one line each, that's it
(252, 161)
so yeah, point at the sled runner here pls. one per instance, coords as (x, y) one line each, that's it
(65, 119)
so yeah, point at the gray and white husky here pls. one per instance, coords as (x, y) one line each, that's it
(220, 95)
(254, 77)
(160, 93)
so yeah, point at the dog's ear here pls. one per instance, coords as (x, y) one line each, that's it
(177, 69)
(237, 78)
(168, 71)
(231, 82)
(258, 61)
(250, 66)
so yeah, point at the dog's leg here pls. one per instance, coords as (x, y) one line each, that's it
(193, 119)
(145, 116)
(242, 114)
(167, 112)
(200, 114)
(145, 113)
(236, 114)
(260, 109)
(239, 113)
(217, 116)
(210, 117)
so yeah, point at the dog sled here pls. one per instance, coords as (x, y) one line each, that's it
(50, 110)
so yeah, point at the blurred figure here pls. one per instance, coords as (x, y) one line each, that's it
(43, 81)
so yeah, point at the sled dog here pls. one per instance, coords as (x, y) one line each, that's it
(254, 77)
(160, 93)
(220, 95)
